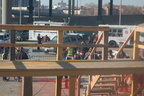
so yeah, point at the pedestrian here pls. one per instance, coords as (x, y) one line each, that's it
(122, 54)
(82, 50)
(70, 53)
(5, 57)
(39, 41)
(45, 39)
(20, 56)
(110, 54)
(91, 38)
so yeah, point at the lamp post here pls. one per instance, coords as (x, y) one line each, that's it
(20, 6)
(120, 12)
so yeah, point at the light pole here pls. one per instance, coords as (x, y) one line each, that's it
(120, 12)
(20, 6)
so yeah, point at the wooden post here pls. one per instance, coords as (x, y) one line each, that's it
(12, 49)
(59, 57)
(27, 86)
(134, 85)
(78, 85)
(135, 46)
(72, 85)
(60, 41)
(105, 49)
(58, 86)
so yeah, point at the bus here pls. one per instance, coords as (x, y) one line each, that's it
(119, 33)
(50, 33)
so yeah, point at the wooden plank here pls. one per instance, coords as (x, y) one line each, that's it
(135, 46)
(72, 80)
(141, 46)
(124, 44)
(66, 68)
(59, 48)
(27, 86)
(105, 49)
(94, 49)
(140, 29)
(65, 28)
(49, 45)
(58, 86)
(134, 85)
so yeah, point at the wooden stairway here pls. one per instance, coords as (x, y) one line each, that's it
(103, 85)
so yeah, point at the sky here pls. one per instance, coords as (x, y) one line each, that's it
(115, 2)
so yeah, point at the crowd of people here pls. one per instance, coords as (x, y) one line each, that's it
(42, 39)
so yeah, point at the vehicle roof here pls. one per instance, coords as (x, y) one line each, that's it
(3, 33)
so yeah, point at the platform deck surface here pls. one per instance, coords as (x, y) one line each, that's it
(76, 67)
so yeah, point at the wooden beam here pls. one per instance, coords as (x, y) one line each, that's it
(72, 86)
(140, 46)
(59, 48)
(70, 67)
(135, 46)
(105, 49)
(50, 45)
(58, 86)
(64, 28)
(97, 43)
(27, 86)
(134, 85)
(124, 44)
(140, 29)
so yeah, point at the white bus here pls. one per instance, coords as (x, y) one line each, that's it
(119, 33)
(50, 33)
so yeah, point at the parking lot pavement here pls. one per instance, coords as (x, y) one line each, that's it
(40, 88)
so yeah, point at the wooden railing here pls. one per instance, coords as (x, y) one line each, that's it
(59, 45)
(63, 68)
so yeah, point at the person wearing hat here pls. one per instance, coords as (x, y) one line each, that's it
(70, 53)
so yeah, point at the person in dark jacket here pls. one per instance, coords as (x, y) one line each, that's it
(5, 57)
(39, 41)
(82, 51)
(20, 56)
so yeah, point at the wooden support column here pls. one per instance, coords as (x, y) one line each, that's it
(27, 86)
(78, 85)
(135, 46)
(12, 49)
(58, 86)
(72, 85)
(59, 57)
(134, 85)
(105, 49)
(60, 41)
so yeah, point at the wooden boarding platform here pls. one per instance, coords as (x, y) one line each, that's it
(59, 68)
(75, 67)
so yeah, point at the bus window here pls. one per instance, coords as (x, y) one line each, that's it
(110, 33)
(120, 34)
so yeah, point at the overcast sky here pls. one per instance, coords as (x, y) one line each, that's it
(116, 2)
